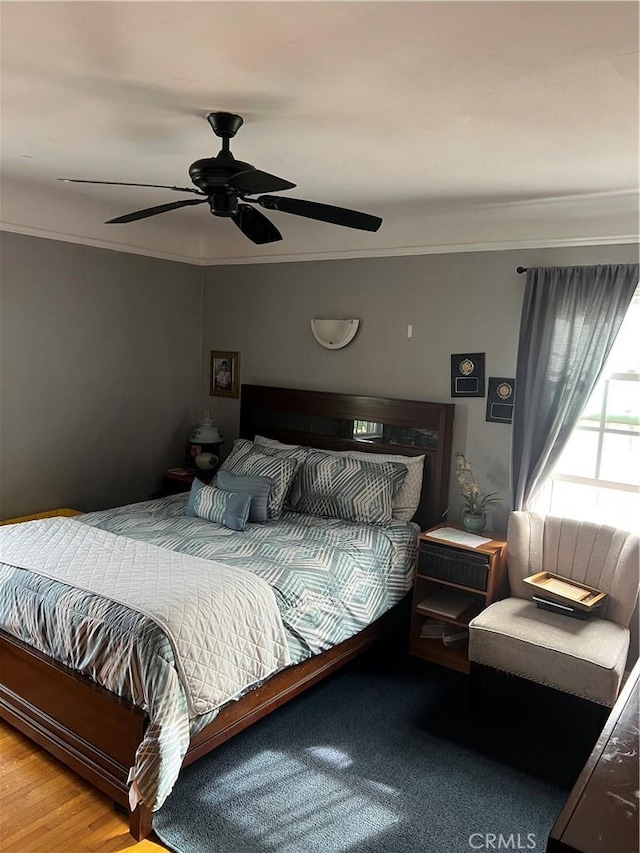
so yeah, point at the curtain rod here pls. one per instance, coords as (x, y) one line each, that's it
(520, 270)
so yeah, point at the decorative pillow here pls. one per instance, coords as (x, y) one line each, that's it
(407, 498)
(263, 441)
(211, 504)
(279, 466)
(341, 487)
(258, 489)
(195, 488)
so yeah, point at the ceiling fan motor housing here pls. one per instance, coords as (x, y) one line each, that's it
(211, 173)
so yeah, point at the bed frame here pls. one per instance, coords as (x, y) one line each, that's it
(95, 732)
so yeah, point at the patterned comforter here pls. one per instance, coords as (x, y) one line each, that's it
(330, 578)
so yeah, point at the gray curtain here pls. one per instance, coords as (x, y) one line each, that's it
(570, 319)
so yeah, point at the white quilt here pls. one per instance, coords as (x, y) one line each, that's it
(223, 623)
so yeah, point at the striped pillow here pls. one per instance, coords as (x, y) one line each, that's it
(279, 466)
(258, 488)
(407, 499)
(342, 487)
(211, 504)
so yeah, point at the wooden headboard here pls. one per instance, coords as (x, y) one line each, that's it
(350, 422)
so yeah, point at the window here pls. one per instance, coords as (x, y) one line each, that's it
(597, 478)
(367, 430)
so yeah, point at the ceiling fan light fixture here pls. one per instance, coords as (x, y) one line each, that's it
(334, 334)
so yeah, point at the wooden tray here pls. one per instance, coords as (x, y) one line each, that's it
(565, 591)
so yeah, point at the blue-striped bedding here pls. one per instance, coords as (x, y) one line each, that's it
(331, 578)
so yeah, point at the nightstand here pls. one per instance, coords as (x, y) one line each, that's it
(177, 480)
(453, 583)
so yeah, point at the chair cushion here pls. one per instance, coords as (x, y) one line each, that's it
(585, 658)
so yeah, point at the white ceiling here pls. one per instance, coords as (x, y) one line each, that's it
(463, 124)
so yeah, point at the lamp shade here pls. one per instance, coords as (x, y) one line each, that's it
(334, 334)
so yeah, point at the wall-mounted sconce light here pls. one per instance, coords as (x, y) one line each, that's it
(334, 334)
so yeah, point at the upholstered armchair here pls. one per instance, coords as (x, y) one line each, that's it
(583, 657)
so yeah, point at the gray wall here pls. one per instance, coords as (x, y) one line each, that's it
(468, 302)
(100, 376)
(105, 355)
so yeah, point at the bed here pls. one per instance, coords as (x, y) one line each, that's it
(97, 732)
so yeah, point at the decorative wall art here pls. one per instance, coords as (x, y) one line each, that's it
(225, 374)
(500, 399)
(467, 374)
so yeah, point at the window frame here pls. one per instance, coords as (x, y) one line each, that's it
(602, 427)
(602, 430)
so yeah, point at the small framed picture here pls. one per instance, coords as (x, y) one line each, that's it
(225, 374)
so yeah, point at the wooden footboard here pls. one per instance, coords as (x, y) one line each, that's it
(96, 733)
(88, 728)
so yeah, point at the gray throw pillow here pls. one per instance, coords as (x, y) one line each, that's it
(195, 488)
(211, 504)
(258, 489)
(280, 467)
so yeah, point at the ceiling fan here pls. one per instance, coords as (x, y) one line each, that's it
(226, 184)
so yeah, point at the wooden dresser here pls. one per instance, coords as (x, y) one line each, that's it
(601, 813)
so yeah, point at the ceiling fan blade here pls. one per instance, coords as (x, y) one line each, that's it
(153, 211)
(254, 181)
(123, 184)
(321, 212)
(256, 226)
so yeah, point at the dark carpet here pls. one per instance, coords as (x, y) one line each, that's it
(376, 761)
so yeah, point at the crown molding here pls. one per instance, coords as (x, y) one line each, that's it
(440, 249)
(557, 200)
(298, 257)
(98, 244)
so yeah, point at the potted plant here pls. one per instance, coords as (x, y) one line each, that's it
(473, 512)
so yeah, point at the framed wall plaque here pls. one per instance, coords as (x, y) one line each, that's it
(500, 399)
(467, 374)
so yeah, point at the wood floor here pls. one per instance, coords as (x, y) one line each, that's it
(44, 807)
